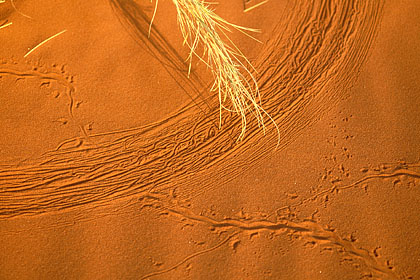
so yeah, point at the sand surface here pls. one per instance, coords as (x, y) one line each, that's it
(113, 164)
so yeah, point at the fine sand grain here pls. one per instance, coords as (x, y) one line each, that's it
(116, 161)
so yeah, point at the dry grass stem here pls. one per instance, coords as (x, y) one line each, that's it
(43, 42)
(255, 6)
(19, 12)
(235, 84)
(5, 25)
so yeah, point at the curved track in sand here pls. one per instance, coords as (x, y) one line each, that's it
(313, 56)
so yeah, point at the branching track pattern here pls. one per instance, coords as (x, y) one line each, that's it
(302, 71)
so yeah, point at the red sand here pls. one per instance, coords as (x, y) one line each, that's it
(113, 166)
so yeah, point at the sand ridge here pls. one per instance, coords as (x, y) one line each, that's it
(167, 194)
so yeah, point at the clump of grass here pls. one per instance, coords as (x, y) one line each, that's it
(237, 88)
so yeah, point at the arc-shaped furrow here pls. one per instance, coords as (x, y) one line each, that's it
(303, 71)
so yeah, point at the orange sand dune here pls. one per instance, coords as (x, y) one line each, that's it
(114, 163)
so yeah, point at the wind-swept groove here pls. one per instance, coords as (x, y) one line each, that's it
(302, 71)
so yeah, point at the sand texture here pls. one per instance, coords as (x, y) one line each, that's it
(117, 163)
